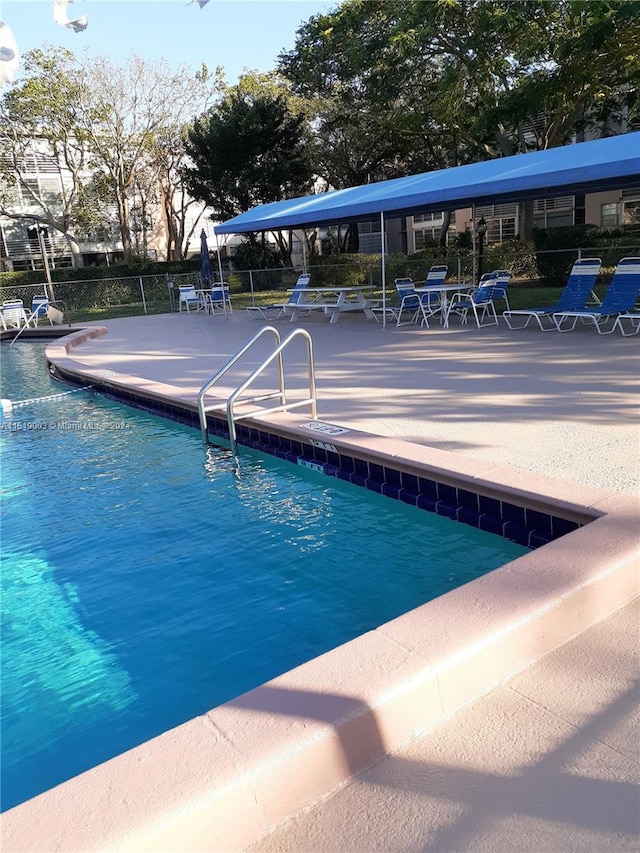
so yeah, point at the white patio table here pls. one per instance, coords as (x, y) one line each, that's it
(444, 290)
(332, 301)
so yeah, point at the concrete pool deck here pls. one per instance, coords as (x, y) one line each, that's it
(541, 756)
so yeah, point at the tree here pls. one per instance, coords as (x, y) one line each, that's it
(247, 150)
(40, 123)
(125, 113)
(453, 81)
(114, 133)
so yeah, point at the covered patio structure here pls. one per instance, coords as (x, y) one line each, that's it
(602, 164)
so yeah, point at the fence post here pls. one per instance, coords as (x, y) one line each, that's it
(144, 304)
(253, 296)
(172, 303)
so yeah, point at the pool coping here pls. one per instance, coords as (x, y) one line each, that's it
(224, 779)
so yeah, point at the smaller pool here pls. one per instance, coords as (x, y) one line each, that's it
(145, 582)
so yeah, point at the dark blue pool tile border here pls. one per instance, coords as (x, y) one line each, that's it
(528, 527)
(531, 528)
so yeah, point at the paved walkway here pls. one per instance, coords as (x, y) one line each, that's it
(550, 760)
(565, 405)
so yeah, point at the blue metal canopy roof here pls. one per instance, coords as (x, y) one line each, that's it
(612, 163)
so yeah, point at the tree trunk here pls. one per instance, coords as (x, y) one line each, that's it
(446, 222)
(525, 220)
(125, 230)
(350, 244)
(284, 248)
(76, 255)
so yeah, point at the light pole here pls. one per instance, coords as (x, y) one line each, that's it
(481, 230)
(45, 260)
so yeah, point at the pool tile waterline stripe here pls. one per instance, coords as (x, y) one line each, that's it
(528, 527)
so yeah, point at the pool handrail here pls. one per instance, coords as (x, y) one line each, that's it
(280, 393)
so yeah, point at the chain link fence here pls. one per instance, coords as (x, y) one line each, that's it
(95, 300)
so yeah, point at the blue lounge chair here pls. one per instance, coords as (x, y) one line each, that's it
(621, 298)
(632, 318)
(276, 310)
(501, 280)
(574, 297)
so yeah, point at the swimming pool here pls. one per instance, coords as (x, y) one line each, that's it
(145, 581)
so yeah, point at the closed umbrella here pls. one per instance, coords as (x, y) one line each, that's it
(206, 271)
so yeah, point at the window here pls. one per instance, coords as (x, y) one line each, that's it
(631, 215)
(425, 234)
(554, 212)
(429, 217)
(370, 244)
(609, 215)
(499, 230)
(488, 211)
(544, 204)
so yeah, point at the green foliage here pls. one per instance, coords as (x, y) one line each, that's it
(518, 256)
(250, 149)
(252, 254)
(412, 86)
(554, 247)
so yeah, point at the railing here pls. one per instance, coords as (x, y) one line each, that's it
(281, 394)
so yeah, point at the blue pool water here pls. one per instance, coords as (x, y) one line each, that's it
(145, 581)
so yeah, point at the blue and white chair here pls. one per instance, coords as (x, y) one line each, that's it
(501, 281)
(620, 299)
(190, 298)
(479, 302)
(417, 306)
(13, 315)
(275, 310)
(218, 300)
(39, 306)
(574, 297)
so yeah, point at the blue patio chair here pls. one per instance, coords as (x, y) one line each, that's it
(13, 315)
(501, 280)
(621, 298)
(190, 298)
(218, 300)
(276, 310)
(416, 305)
(39, 305)
(577, 291)
(431, 302)
(478, 301)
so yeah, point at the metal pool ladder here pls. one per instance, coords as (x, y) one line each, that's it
(280, 394)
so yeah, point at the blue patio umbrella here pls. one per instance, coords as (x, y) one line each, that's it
(206, 270)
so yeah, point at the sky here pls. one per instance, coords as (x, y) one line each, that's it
(235, 34)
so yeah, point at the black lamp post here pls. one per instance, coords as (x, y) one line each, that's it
(481, 230)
